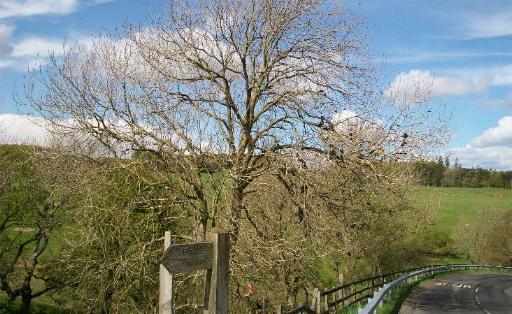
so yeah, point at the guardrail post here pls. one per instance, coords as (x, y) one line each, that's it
(316, 304)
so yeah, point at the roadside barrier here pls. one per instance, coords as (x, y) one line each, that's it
(373, 290)
(380, 295)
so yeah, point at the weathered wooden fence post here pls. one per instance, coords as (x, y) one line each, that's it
(326, 301)
(339, 294)
(219, 290)
(165, 304)
(316, 302)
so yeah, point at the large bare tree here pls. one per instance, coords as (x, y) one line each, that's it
(216, 96)
(235, 79)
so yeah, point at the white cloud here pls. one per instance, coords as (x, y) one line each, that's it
(21, 129)
(5, 35)
(32, 52)
(5, 63)
(345, 116)
(418, 86)
(499, 103)
(492, 149)
(496, 157)
(409, 56)
(21, 8)
(496, 24)
(34, 46)
(500, 135)
(360, 130)
(500, 75)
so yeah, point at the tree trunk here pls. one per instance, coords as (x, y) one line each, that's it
(236, 212)
(26, 299)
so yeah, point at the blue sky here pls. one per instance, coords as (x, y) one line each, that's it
(462, 48)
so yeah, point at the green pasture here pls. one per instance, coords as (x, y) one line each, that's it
(454, 204)
(463, 202)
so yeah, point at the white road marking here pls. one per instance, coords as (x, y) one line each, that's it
(455, 285)
(478, 302)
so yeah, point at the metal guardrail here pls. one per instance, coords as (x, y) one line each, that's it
(352, 293)
(374, 289)
(380, 296)
(345, 295)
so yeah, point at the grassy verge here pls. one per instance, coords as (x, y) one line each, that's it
(353, 309)
(398, 296)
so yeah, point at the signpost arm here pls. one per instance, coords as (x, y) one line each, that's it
(219, 291)
(165, 305)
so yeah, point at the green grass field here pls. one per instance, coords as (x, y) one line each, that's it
(459, 202)
(454, 204)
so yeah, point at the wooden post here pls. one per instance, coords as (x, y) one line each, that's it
(339, 294)
(219, 290)
(165, 305)
(326, 302)
(316, 304)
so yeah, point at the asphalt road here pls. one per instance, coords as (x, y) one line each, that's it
(462, 293)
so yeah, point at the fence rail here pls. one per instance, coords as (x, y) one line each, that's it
(374, 289)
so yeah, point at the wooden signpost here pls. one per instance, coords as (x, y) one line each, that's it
(165, 303)
(212, 256)
(186, 258)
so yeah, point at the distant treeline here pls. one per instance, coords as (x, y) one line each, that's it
(442, 173)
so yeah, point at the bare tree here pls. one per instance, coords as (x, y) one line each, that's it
(239, 78)
(215, 95)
